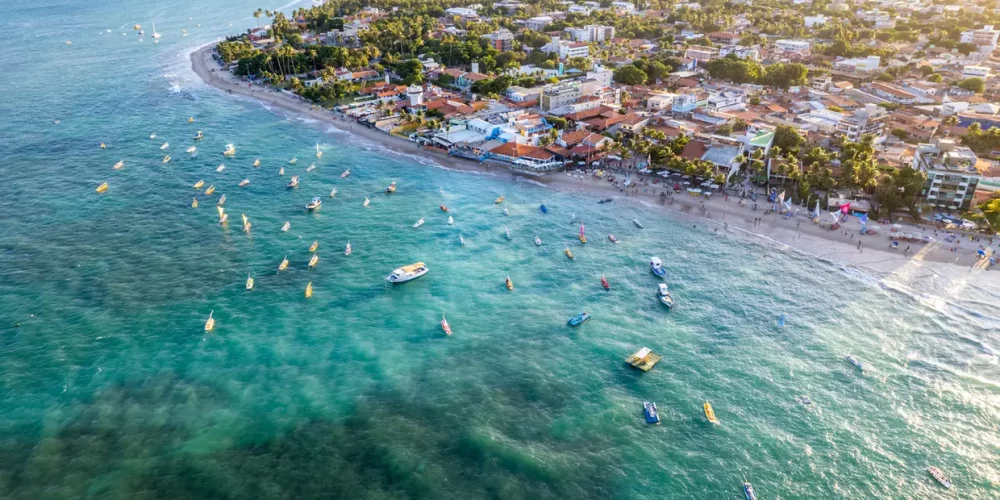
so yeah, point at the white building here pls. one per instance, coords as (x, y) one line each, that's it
(813, 21)
(462, 12)
(566, 49)
(538, 23)
(985, 38)
(749, 53)
(952, 177)
(976, 72)
(876, 17)
(591, 33)
(727, 100)
(700, 53)
(869, 64)
(623, 7)
(796, 46)
(660, 101)
(559, 95)
(867, 120)
(521, 94)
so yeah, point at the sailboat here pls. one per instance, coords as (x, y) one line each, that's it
(194, 203)
(223, 216)
(286, 226)
(281, 171)
(102, 188)
(155, 34)
(507, 281)
(419, 222)
(333, 192)
(221, 167)
(199, 184)
(119, 165)
(346, 173)
(249, 282)
(445, 326)
(246, 223)
(319, 154)
(284, 264)
(309, 290)
(367, 201)
(165, 146)
(256, 163)
(292, 161)
(583, 238)
(311, 167)
(451, 221)
(604, 282)
(314, 260)
(210, 190)
(210, 324)
(461, 240)
(245, 183)
(347, 251)
(505, 211)
(222, 200)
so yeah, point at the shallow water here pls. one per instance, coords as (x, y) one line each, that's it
(111, 388)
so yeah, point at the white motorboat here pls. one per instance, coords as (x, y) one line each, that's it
(245, 182)
(656, 266)
(407, 273)
(637, 223)
(191, 150)
(333, 192)
(664, 295)
(506, 233)
(852, 360)
(346, 173)
(505, 211)
(165, 145)
(451, 221)
(286, 227)
(230, 150)
(367, 201)
(152, 136)
(538, 241)
(314, 204)
(310, 168)
(419, 222)
(220, 168)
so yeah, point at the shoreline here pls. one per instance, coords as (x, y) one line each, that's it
(726, 215)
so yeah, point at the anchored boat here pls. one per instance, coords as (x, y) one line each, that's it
(664, 295)
(407, 273)
(857, 364)
(314, 204)
(748, 491)
(314, 246)
(538, 241)
(249, 282)
(309, 290)
(314, 260)
(498, 200)
(604, 282)
(656, 267)
(649, 411)
(210, 323)
(102, 188)
(612, 238)
(710, 413)
(419, 222)
(637, 223)
(451, 221)
(391, 188)
(294, 183)
(347, 250)
(507, 281)
(583, 237)
(939, 476)
(578, 320)
(644, 359)
(445, 326)
(506, 233)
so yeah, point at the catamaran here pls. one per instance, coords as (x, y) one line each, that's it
(286, 227)
(583, 238)
(199, 184)
(419, 222)
(656, 267)
(210, 323)
(102, 188)
(333, 192)
(407, 273)
(165, 146)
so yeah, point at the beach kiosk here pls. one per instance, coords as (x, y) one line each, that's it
(643, 359)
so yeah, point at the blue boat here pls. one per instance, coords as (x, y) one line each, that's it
(656, 266)
(649, 409)
(578, 319)
(544, 209)
(748, 491)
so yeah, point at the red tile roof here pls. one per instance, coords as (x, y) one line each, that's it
(694, 150)
(513, 149)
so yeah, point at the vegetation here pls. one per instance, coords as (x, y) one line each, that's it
(973, 84)
(778, 75)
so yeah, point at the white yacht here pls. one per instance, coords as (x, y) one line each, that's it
(407, 273)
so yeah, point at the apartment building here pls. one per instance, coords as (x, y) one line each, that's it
(952, 176)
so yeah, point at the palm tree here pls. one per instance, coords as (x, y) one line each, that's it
(256, 16)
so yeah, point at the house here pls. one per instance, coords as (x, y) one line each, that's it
(857, 66)
(591, 33)
(462, 12)
(687, 100)
(521, 94)
(813, 21)
(868, 120)
(633, 123)
(892, 93)
(724, 38)
(660, 101)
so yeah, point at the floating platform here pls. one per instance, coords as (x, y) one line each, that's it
(643, 359)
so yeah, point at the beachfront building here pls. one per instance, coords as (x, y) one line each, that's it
(559, 95)
(725, 153)
(952, 174)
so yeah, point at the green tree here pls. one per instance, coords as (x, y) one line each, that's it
(973, 84)
(787, 138)
(630, 75)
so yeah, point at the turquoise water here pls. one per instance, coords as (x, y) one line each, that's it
(111, 388)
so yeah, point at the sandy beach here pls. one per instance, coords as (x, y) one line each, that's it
(717, 214)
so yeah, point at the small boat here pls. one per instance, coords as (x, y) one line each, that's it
(538, 241)
(568, 252)
(612, 238)
(292, 161)
(583, 237)
(508, 283)
(367, 201)
(543, 208)
(194, 203)
(314, 260)
(333, 192)
(498, 200)
(199, 136)
(210, 190)
(506, 233)
(249, 282)
(309, 290)
(222, 200)
(166, 159)
(314, 246)
(664, 295)
(191, 150)
(391, 188)
(637, 223)
(643, 359)
(210, 323)
(419, 222)
(407, 273)
(222, 214)
(649, 411)
(165, 146)
(294, 183)
(104, 146)
(310, 168)
(748, 491)
(578, 320)
(221, 167)
(347, 250)
(461, 240)
(316, 203)
(199, 184)
(939, 476)
(606, 200)
(656, 267)
(152, 136)
(69, 42)
(443, 208)
(284, 264)
(445, 326)
(281, 171)
(505, 211)
(119, 165)
(191, 118)
(857, 364)
(286, 227)
(245, 183)
(256, 163)
(710, 413)
(451, 221)
(346, 173)
(805, 400)
(230, 150)
(246, 223)
(604, 282)
(102, 188)
(319, 154)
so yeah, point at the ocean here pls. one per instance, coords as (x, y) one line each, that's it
(112, 389)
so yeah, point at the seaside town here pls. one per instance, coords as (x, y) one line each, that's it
(884, 110)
